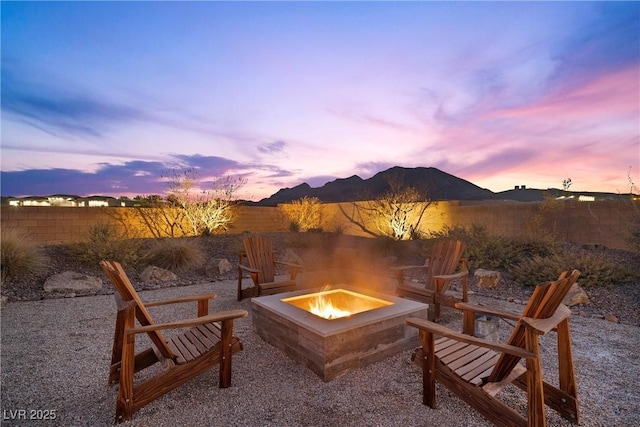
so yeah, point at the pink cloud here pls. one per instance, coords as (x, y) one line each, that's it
(614, 94)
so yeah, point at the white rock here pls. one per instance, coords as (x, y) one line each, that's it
(486, 279)
(71, 281)
(576, 296)
(218, 266)
(157, 274)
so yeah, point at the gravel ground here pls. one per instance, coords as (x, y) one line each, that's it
(55, 355)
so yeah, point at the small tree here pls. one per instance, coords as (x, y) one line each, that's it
(159, 217)
(303, 214)
(396, 214)
(207, 211)
(633, 239)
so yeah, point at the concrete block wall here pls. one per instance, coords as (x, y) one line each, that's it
(593, 223)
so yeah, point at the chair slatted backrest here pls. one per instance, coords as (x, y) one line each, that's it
(125, 289)
(444, 259)
(259, 252)
(544, 302)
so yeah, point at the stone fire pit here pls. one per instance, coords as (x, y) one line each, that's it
(332, 347)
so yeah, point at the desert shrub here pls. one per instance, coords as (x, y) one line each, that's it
(303, 214)
(104, 241)
(294, 227)
(19, 256)
(530, 261)
(177, 255)
(633, 239)
(495, 252)
(597, 268)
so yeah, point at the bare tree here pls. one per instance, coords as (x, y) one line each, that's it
(303, 214)
(207, 211)
(396, 214)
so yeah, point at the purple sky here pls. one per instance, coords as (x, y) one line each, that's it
(105, 97)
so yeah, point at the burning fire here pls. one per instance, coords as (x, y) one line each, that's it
(335, 304)
(322, 305)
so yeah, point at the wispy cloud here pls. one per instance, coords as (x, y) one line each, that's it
(274, 147)
(60, 109)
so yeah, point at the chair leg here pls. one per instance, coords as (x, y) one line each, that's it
(428, 369)
(567, 380)
(226, 338)
(124, 404)
(536, 415)
(436, 311)
(116, 351)
(240, 282)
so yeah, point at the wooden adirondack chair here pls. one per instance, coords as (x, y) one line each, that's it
(476, 369)
(260, 257)
(208, 341)
(439, 269)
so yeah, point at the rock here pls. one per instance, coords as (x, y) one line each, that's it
(486, 279)
(71, 282)
(4, 301)
(611, 318)
(157, 274)
(576, 296)
(217, 266)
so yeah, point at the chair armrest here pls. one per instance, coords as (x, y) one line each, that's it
(188, 323)
(465, 306)
(452, 276)
(294, 269)
(186, 298)
(542, 326)
(434, 328)
(407, 267)
(289, 264)
(248, 269)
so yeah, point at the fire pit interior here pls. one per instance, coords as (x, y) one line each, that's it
(334, 304)
(373, 330)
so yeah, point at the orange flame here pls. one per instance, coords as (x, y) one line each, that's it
(322, 306)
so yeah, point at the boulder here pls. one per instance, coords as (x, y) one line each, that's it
(486, 279)
(217, 266)
(157, 274)
(576, 296)
(71, 281)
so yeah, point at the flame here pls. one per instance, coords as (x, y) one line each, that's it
(323, 306)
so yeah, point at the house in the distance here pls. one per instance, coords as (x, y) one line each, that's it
(66, 200)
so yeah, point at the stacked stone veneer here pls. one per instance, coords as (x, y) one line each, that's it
(596, 223)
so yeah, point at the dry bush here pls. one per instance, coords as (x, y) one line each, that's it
(177, 255)
(104, 241)
(19, 256)
(598, 268)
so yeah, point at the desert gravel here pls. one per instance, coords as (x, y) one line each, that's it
(55, 356)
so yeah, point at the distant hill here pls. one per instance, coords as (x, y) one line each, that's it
(437, 185)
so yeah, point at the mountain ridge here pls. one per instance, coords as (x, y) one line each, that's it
(437, 185)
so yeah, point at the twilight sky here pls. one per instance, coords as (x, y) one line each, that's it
(106, 97)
